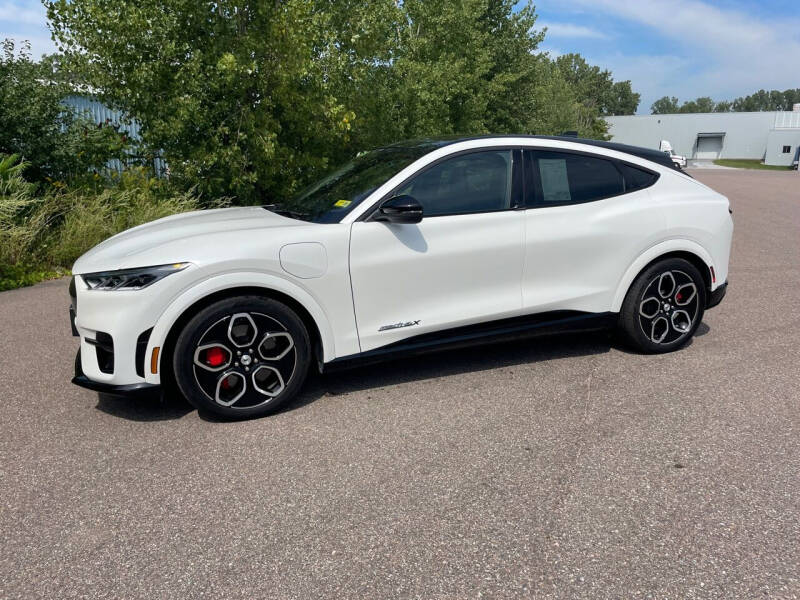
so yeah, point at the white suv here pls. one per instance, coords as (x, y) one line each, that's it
(407, 247)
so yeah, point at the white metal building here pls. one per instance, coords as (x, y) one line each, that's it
(769, 136)
(94, 110)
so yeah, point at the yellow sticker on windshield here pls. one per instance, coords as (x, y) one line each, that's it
(342, 203)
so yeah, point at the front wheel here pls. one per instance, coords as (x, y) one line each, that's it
(242, 357)
(664, 306)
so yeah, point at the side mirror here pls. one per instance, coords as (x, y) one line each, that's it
(400, 209)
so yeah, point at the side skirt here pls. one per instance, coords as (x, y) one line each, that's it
(527, 326)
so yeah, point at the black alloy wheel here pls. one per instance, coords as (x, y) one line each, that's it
(242, 357)
(664, 306)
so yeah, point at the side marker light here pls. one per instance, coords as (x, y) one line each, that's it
(154, 361)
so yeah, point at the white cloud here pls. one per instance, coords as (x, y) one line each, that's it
(27, 13)
(652, 76)
(26, 20)
(724, 52)
(570, 30)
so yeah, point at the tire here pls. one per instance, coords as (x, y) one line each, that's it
(663, 307)
(242, 357)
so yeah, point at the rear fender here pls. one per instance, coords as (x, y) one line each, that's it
(651, 254)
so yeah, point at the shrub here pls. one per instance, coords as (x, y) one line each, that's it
(16, 202)
(41, 234)
(72, 222)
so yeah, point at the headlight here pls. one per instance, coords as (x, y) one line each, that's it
(130, 279)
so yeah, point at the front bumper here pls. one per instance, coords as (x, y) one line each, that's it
(717, 295)
(114, 329)
(133, 389)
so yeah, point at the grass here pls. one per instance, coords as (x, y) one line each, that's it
(12, 277)
(44, 229)
(747, 163)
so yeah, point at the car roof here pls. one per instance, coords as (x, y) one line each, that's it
(656, 156)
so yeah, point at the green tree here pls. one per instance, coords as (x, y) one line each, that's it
(238, 94)
(30, 110)
(595, 88)
(703, 104)
(252, 99)
(460, 68)
(763, 100)
(54, 142)
(665, 106)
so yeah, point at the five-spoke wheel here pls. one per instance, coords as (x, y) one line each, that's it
(242, 356)
(664, 306)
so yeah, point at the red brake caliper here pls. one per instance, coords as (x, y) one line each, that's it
(215, 357)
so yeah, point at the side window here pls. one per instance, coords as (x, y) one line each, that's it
(636, 178)
(565, 178)
(475, 182)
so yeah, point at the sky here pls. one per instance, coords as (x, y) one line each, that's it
(684, 48)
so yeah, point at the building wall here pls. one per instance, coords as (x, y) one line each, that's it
(754, 135)
(777, 139)
(100, 113)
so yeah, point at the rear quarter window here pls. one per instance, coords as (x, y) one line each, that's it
(636, 178)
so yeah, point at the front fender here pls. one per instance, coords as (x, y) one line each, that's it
(228, 281)
(648, 256)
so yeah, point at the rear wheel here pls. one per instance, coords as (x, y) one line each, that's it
(242, 357)
(664, 306)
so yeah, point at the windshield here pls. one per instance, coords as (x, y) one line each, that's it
(330, 199)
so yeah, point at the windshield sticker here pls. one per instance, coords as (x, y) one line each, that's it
(342, 203)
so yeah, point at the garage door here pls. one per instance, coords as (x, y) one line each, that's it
(708, 147)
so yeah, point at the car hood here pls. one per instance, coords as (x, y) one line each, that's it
(177, 235)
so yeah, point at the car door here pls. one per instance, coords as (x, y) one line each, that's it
(460, 265)
(589, 218)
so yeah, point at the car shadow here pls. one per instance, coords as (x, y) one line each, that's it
(155, 407)
(482, 357)
(170, 405)
(702, 330)
(485, 357)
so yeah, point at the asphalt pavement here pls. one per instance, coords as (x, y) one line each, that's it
(565, 467)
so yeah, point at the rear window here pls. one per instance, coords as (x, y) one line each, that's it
(636, 178)
(565, 178)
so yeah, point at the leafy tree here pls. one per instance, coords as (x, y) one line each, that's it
(236, 93)
(701, 105)
(595, 87)
(665, 106)
(468, 67)
(31, 116)
(760, 101)
(252, 99)
(767, 101)
(54, 142)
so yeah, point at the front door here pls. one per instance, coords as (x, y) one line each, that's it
(461, 264)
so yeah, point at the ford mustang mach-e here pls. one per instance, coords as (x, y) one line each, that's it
(407, 247)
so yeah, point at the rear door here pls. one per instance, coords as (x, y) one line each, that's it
(588, 218)
(460, 265)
